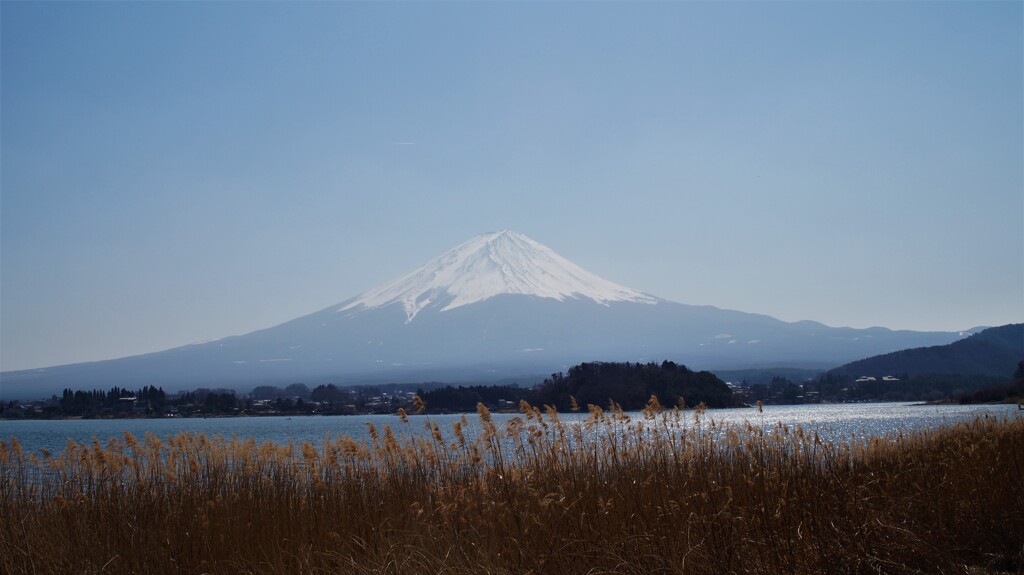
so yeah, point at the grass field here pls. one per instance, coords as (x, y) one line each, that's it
(666, 492)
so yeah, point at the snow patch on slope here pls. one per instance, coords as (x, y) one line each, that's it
(492, 264)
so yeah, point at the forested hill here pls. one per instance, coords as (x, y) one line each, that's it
(994, 351)
(631, 385)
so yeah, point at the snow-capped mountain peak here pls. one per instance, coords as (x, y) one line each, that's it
(491, 264)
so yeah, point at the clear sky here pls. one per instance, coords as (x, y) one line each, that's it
(180, 171)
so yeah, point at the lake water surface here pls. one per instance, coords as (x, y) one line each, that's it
(836, 421)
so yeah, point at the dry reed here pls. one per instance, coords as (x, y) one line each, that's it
(666, 491)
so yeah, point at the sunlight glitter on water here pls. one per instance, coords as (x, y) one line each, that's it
(835, 421)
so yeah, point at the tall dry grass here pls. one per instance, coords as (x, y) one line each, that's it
(669, 491)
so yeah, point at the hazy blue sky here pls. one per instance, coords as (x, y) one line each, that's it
(181, 171)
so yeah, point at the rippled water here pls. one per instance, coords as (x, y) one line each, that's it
(834, 420)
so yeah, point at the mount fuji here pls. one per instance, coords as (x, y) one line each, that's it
(497, 307)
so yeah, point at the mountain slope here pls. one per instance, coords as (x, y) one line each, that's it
(994, 351)
(500, 306)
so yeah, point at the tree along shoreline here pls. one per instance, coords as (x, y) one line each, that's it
(600, 383)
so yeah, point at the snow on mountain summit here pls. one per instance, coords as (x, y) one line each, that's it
(491, 264)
